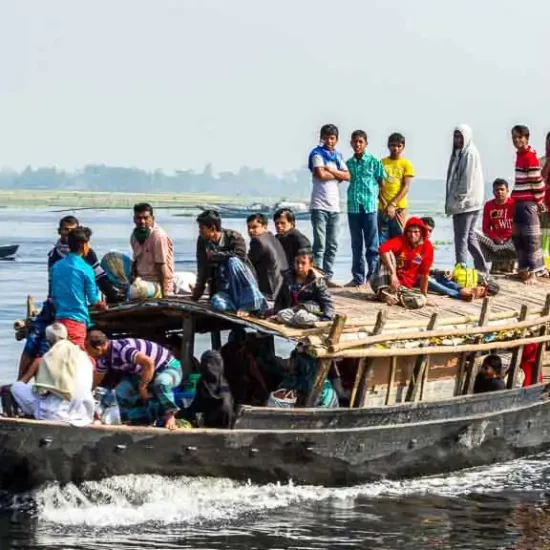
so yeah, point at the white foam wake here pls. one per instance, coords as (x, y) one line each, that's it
(131, 500)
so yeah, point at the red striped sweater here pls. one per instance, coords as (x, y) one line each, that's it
(528, 185)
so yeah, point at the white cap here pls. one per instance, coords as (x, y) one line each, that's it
(56, 332)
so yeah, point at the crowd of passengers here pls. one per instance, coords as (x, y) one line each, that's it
(279, 277)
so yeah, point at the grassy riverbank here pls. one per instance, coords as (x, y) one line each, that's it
(85, 199)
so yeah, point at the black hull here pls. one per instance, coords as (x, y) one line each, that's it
(6, 251)
(32, 453)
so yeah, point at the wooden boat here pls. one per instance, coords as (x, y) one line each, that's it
(412, 411)
(8, 250)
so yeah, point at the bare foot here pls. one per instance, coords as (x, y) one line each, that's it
(531, 280)
(388, 298)
(243, 313)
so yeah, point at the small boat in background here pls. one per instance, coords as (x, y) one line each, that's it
(8, 250)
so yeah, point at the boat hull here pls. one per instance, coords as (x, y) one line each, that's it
(33, 452)
(6, 251)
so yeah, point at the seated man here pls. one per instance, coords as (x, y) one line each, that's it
(73, 287)
(495, 240)
(153, 252)
(406, 261)
(266, 256)
(145, 394)
(441, 282)
(490, 374)
(223, 264)
(292, 240)
(61, 250)
(304, 297)
(63, 385)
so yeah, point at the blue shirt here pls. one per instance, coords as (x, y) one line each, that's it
(73, 289)
(366, 174)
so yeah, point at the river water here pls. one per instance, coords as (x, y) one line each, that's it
(504, 506)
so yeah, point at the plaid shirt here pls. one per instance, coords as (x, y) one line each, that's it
(366, 175)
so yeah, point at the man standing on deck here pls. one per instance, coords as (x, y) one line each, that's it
(153, 251)
(73, 287)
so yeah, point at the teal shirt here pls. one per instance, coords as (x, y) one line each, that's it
(367, 173)
(73, 288)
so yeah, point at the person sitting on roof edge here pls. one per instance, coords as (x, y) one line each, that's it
(223, 264)
(266, 256)
(153, 252)
(292, 239)
(145, 394)
(406, 261)
(61, 250)
(441, 282)
(495, 240)
(304, 297)
(74, 288)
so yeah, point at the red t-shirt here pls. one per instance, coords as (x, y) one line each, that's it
(411, 262)
(498, 219)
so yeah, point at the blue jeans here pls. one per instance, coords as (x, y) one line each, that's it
(363, 228)
(387, 228)
(441, 285)
(325, 239)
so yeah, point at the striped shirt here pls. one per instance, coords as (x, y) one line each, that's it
(528, 185)
(122, 356)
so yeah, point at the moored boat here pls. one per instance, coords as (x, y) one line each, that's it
(412, 411)
(8, 250)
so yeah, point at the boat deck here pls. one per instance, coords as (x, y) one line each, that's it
(359, 306)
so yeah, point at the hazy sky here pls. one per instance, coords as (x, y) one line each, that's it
(176, 84)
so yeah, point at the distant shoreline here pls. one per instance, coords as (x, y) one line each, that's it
(40, 198)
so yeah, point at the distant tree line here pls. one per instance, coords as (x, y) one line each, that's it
(99, 177)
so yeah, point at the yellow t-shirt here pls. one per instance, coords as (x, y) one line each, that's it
(396, 170)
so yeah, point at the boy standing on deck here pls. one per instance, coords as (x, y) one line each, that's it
(328, 170)
(528, 194)
(367, 173)
(393, 199)
(73, 287)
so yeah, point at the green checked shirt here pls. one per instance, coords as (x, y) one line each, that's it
(366, 175)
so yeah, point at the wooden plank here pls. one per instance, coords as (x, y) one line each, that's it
(460, 374)
(216, 339)
(425, 373)
(391, 378)
(419, 366)
(336, 329)
(362, 391)
(322, 373)
(471, 369)
(540, 350)
(358, 377)
(188, 343)
(517, 354)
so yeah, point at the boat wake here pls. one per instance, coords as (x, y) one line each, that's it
(131, 500)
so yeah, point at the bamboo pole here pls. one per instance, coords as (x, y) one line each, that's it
(188, 343)
(358, 377)
(362, 376)
(517, 354)
(460, 374)
(336, 329)
(428, 350)
(425, 376)
(322, 373)
(540, 350)
(391, 378)
(419, 366)
(471, 370)
(426, 334)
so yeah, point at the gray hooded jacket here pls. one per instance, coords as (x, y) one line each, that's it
(465, 185)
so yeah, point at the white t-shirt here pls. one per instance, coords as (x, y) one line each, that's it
(325, 195)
